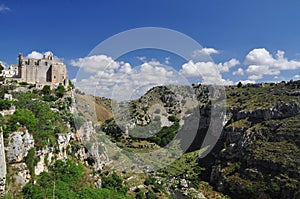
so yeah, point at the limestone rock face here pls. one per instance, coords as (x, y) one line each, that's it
(18, 146)
(3, 171)
(22, 175)
(41, 165)
(99, 154)
(47, 153)
(63, 141)
(96, 152)
(86, 131)
(258, 152)
(280, 111)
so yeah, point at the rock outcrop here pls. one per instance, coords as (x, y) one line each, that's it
(260, 154)
(279, 111)
(96, 152)
(2, 166)
(20, 142)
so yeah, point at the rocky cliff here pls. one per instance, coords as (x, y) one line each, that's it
(258, 153)
(2, 167)
(255, 156)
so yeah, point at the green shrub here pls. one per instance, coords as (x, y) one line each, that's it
(26, 118)
(149, 181)
(274, 189)
(31, 161)
(46, 90)
(173, 118)
(114, 182)
(4, 104)
(60, 91)
(165, 135)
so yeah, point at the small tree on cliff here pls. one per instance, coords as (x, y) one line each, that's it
(60, 91)
(239, 85)
(46, 90)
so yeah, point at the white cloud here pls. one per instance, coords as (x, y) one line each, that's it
(261, 70)
(261, 62)
(296, 77)
(35, 55)
(246, 81)
(39, 55)
(205, 51)
(121, 81)
(142, 59)
(3, 64)
(95, 63)
(167, 60)
(224, 67)
(209, 71)
(205, 70)
(255, 77)
(239, 71)
(259, 56)
(4, 8)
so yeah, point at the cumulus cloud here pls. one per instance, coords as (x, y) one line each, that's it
(95, 63)
(206, 70)
(4, 8)
(296, 77)
(239, 71)
(224, 67)
(246, 81)
(39, 55)
(205, 51)
(101, 75)
(142, 59)
(261, 62)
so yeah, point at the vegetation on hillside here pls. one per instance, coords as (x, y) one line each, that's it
(256, 156)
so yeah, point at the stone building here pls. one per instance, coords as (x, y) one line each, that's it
(44, 71)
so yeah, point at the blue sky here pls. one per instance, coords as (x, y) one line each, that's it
(249, 32)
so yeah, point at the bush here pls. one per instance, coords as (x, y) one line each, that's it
(165, 135)
(49, 98)
(71, 85)
(173, 118)
(46, 90)
(23, 83)
(4, 104)
(149, 181)
(31, 160)
(151, 195)
(274, 189)
(239, 85)
(60, 91)
(26, 118)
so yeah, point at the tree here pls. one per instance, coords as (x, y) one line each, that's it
(46, 90)
(4, 104)
(24, 117)
(60, 91)
(114, 182)
(1, 67)
(239, 85)
(71, 85)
